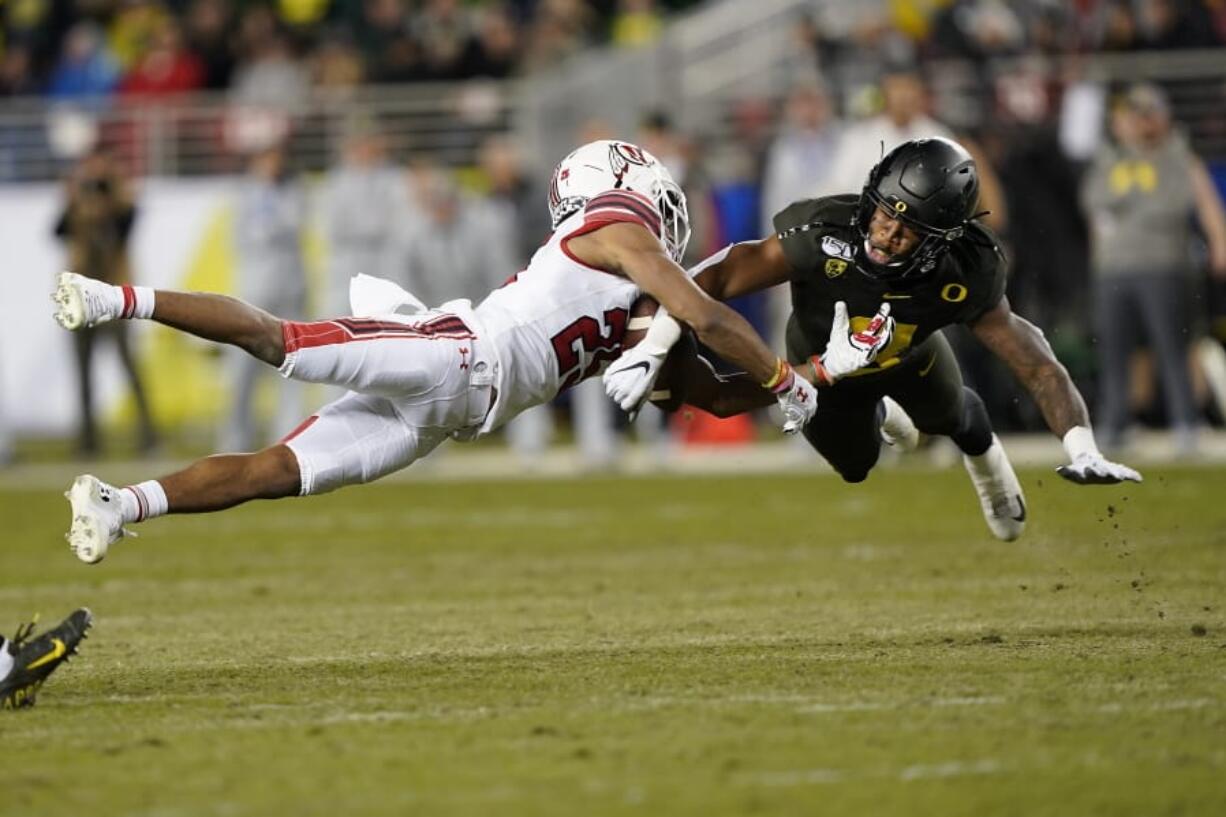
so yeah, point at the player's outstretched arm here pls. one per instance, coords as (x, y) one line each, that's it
(633, 251)
(1021, 345)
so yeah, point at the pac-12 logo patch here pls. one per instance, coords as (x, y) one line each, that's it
(837, 248)
(835, 267)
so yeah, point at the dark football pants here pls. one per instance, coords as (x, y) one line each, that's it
(847, 427)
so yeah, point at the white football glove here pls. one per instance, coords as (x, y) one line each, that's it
(846, 352)
(1088, 465)
(629, 379)
(797, 400)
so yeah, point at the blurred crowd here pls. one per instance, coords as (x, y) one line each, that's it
(146, 49)
(1078, 175)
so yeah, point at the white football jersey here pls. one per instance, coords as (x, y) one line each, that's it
(559, 321)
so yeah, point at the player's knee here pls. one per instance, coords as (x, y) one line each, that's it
(274, 472)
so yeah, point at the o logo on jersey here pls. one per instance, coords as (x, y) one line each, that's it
(954, 293)
(900, 206)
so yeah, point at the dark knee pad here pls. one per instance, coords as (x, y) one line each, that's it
(853, 476)
(974, 434)
(852, 455)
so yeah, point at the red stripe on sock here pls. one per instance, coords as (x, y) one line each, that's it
(142, 505)
(129, 302)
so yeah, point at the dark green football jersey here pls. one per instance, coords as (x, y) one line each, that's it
(819, 238)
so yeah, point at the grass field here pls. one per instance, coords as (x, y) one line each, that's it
(698, 646)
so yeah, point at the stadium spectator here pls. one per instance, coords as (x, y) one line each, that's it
(455, 248)
(34, 27)
(801, 156)
(86, 72)
(95, 226)
(559, 29)
(364, 204)
(382, 32)
(133, 25)
(302, 19)
(268, 75)
(978, 29)
(16, 76)
(336, 66)
(512, 191)
(635, 23)
(269, 223)
(903, 117)
(494, 50)
(1138, 196)
(210, 35)
(442, 28)
(1167, 24)
(166, 68)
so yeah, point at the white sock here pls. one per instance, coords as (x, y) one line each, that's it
(6, 660)
(143, 501)
(137, 301)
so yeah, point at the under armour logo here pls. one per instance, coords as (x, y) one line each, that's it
(463, 358)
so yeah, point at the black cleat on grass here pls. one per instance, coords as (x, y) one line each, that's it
(34, 659)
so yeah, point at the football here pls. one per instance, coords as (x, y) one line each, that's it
(668, 394)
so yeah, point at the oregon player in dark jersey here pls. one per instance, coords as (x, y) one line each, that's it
(909, 241)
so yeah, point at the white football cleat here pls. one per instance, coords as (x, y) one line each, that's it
(84, 301)
(897, 428)
(97, 518)
(1000, 494)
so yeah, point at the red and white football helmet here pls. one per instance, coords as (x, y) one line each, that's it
(599, 167)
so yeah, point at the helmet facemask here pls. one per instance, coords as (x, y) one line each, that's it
(674, 216)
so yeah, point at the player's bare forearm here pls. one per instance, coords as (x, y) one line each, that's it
(1021, 345)
(222, 319)
(721, 395)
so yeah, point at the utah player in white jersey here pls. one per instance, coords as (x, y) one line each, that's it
(417, 376)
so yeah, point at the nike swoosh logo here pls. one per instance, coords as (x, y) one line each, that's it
(57, 650)
(890, 296)
(642, 364)
(924, 371)
(1021, 516)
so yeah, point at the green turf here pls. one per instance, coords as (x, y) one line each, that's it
(783, 645)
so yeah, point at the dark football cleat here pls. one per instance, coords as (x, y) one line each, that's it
(34, 659)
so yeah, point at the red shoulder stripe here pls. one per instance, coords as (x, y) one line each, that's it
(616, 201)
